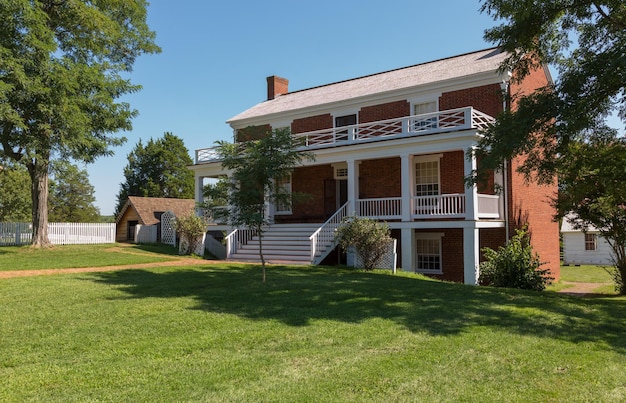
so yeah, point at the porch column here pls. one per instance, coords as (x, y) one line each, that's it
(408, 249)
(498, 179)
(353, 186)
(471, 193)
(471, 255)
(406, 183)
(198, 189)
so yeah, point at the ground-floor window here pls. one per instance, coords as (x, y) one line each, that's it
(591, 241)
(428, 253)
(283, 185)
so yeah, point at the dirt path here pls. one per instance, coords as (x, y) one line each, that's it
(48, 272)
(581, 289)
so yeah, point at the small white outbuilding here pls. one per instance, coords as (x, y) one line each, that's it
(584, 247)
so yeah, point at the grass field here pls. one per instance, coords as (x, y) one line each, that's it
(70, 256)
(215, 333)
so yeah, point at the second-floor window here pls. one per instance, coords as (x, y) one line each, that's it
(424, 119)
(342, 121)
(427, 178)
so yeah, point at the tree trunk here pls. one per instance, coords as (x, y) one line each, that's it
(38, 171)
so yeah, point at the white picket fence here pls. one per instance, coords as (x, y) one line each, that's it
(58, 233)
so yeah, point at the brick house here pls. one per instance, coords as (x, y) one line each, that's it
(393, 146)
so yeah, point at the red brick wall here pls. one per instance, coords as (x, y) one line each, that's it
(386, 111)
(380, 178)
(452, 254)
(529, 203)
(310, 181)
(312, 123)
(491, 238)
(487, 99)
(451, 167)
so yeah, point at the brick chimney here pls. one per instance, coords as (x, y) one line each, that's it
(276, 86)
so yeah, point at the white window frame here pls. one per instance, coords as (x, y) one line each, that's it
(277, 206)
(435, 237)
(431, 123)
(425, 159)
(591, 242)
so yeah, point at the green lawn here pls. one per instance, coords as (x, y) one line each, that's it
(71, 256)
(586, 274)
(216, 333)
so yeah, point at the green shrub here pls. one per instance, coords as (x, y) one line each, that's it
(514, 266)
(368, 237)
(190, 229)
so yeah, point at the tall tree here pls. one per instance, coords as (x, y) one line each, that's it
(61, 66)
(15, 201)
(158, 169)
(585, 41)
(594, 190)
(562, 129)
(71, 195)
(256, 166)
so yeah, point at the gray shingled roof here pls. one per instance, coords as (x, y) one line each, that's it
(487, 60)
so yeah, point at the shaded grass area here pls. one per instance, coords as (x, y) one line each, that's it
(216, 333)
(71, 256)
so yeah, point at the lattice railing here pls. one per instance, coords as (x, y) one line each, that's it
(428, 123)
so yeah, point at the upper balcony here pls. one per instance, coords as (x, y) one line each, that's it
(409, 126)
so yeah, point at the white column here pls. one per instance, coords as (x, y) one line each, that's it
(353, 185)
(471, 255)
(408, 249)
(199, 184)
(471, 193)
(407, 185)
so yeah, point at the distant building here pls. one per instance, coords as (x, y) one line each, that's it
(148, 211)
(584, 247)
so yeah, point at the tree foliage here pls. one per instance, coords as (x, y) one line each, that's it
(514, 266)
(368, 237)
(61, 66)
(158, 169)
(71, 195)
(593, 188)
(190, 229)
(585, 41)
(255, 166)
(15, 200)
(215, 199)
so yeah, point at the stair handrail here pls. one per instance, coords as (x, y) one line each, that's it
(324, 236)
(236, 239)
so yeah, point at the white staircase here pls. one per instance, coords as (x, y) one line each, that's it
(282, 243)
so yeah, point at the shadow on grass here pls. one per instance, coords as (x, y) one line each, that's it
(296, 296)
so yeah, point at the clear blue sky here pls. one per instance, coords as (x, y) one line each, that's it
(216, 55)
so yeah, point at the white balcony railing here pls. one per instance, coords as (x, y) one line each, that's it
(387, 208)
(488, 206)
(446, 205)
(408, 126)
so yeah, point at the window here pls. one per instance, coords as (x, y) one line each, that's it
(591, 241)
(341, 121)
(428, 253)
(428, 121)
(427, 178)
(283, 187)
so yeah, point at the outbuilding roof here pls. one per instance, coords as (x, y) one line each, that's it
(146, 207)
(484, 61)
